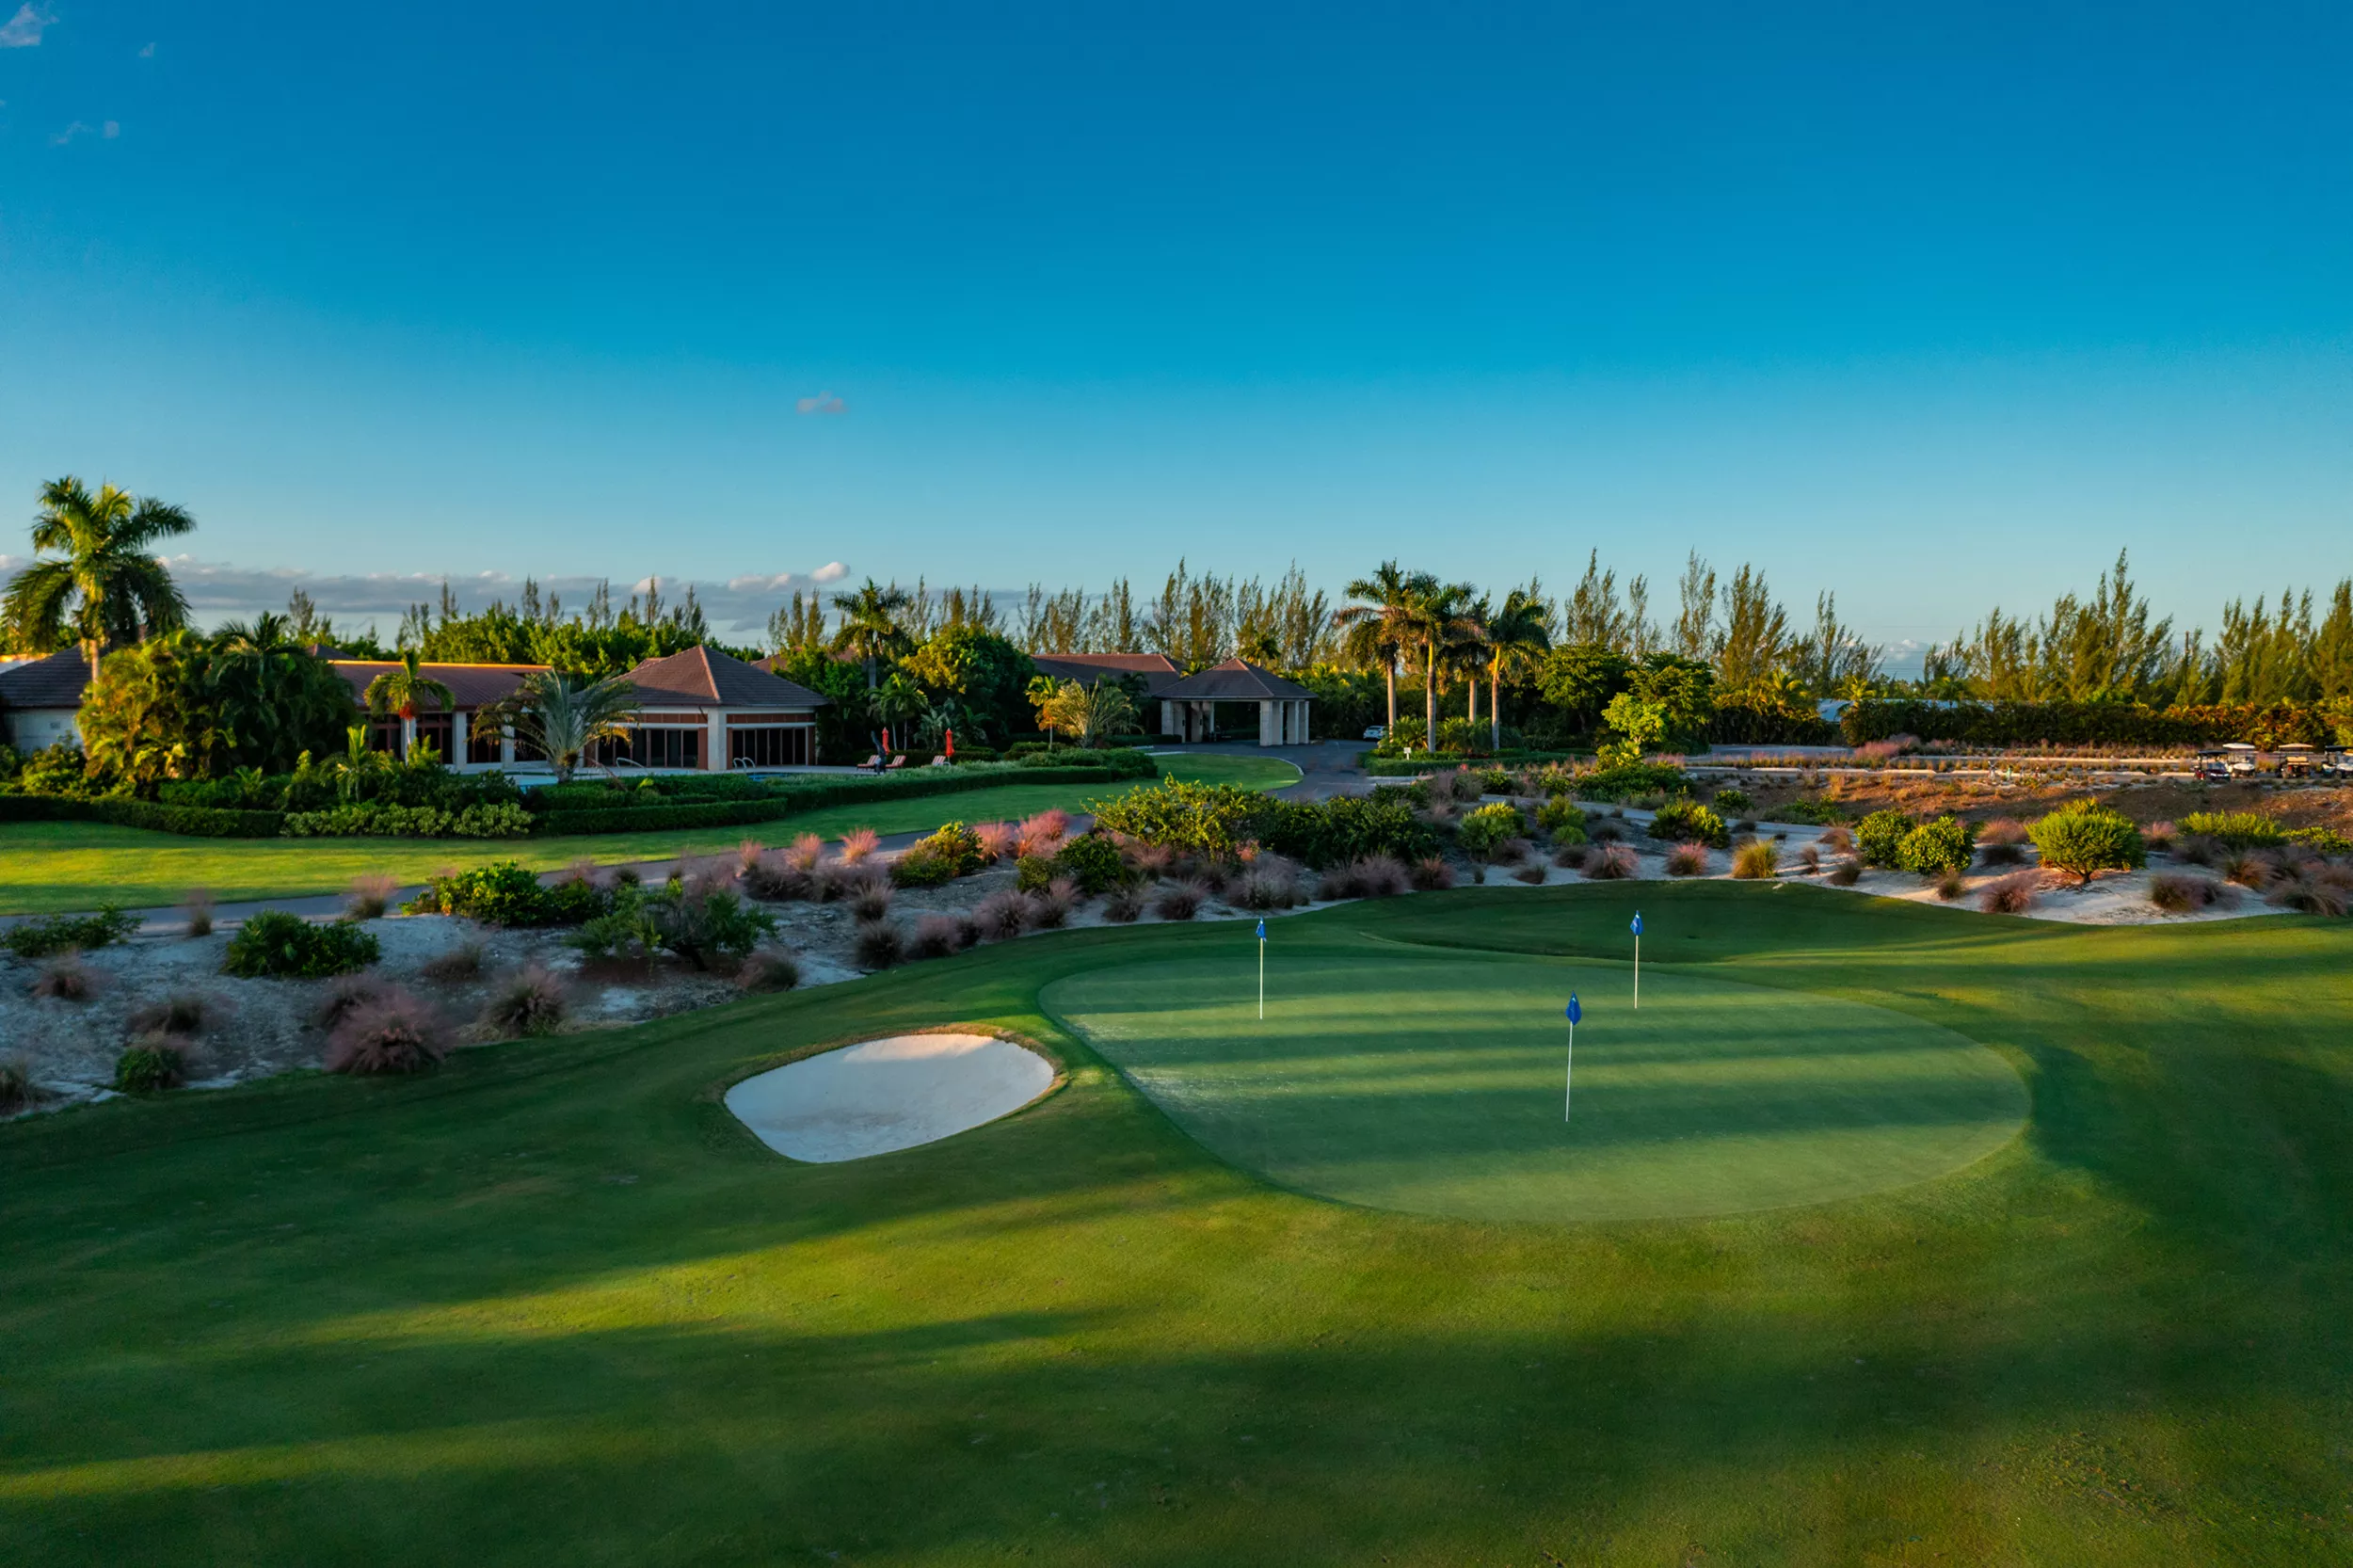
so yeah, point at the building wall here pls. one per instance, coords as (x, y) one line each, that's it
(32, 730)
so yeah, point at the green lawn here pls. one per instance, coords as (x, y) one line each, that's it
(47, 867)
(551, 1304)
(1404, 1080)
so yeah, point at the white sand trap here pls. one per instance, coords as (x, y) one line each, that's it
(887, 1095)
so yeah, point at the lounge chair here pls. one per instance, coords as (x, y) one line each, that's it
(897, 763)
(938, 763)
(874, 762)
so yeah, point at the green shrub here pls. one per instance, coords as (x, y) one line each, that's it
(1347, 828)
(1879, 837)
(1033, 873)
(70, 932)
(954, 851)
(1484, 828)
(1688, 822)
(2083, 838)
(150, 1068)
(278, 946)
(1947, 844)
(1732, 800)
(700, 924)
(1560, 816)
(1204, 820)
(1628, 780)
(2326, 840)
(2237, 829)
(506, 893)
(504, 820)
(1093, 861)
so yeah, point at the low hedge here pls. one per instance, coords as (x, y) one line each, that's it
(194, 822)
(797, 797)
(2021, 724)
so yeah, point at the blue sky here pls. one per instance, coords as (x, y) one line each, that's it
(1936, 309)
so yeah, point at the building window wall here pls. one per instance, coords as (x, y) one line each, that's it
(767, 746)
(667, 748)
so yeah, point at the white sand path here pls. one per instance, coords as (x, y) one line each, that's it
(887, 1095)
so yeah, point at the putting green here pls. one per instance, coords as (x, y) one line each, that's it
(1430, 1084)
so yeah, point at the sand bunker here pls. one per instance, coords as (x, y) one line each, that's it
(887, 1095)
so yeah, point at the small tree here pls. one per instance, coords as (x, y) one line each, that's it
(1947, 844)
(562, 715)
(2085, 838)
(145, 718)
(1088, 714)
(404, 691)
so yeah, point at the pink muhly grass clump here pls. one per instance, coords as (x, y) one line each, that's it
(858, 843)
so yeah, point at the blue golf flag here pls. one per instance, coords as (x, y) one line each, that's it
(1576, 1013)
(1638, 922)
(1263, 928)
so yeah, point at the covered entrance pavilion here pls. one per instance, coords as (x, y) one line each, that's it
(1188, 707)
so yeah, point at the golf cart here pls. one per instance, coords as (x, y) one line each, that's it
(2222, 763)
(2296, 759)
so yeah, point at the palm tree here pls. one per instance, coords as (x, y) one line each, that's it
(562, 715)
(272, 692)
(1381, 626)
(869, 626)
(1516, 634)
(1440, 616)
(405, 689)
(1090, 713)
(108, 587)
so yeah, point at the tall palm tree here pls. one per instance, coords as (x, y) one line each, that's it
(892, 705)
(404, 691)
(276, 696)
(1517, 636)
(1440, 615)
(562, 715)
(106, 586)
(1380, 625)
(871, 626)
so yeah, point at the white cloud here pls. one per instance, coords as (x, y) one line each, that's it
(76, 129)
(147, 53)
(24, 29)
(111, 129)
(738, 608)
(824, 403)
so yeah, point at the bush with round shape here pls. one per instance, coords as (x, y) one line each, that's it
(803, 852)
(1732, 799)
(1033, 872)
(1182, 900)
(772, 879)
(1837, 839)
(1532, 873)
(939, 858)
(1951, 883)
(369, 895)
(1561, 817)
(1688, 822)
(2159, 836)
(1043, 832)
(395, 1034)
(2001, 855)
(2012, 895)
(2252, 872)
(65, 978)
(1431, 874)
(1845, 874)
(2307, 896)
(1686, 860)
(2177, 894)
(1093, 861)
(1610, 863)
(2324, 840)
(877, 944)
(1050, 905)
(1002, 914)
(154, 1065)
(529, 1003)
(1881, 837)
(1758, 861)
(935, 936)
(1933, 848)
(768, 969)
(870, 903)
(1267, 888)
(1485, 828)
(2002, 830)
(995, 841)
(1571, 857)
(858, 843)
(345, 996)
(2085, 838)
(456, 967)
(199, 903)
(1810, 860)
(1124, 905)
(181, 1014)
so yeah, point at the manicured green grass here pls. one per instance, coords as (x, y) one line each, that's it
(553, 1305)
(48, 867)
(1436, 1085)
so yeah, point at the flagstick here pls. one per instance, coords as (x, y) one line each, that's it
(1638, 970)
(1569, 1088)
(1262, 980)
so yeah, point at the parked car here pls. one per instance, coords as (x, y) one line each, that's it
(1376, 732)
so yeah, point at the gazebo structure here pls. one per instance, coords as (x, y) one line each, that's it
(1188, 707)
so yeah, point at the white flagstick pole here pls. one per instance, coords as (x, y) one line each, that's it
(1262, 969)
(1638, 970)
(1569, 1089)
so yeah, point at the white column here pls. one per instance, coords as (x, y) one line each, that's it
(716, 748)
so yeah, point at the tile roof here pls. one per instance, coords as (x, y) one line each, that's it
(1159, 670)
(472, 685)
(52, 681)
(703, 677)
(1234, 681)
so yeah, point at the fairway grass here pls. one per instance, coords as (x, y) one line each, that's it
(50, 867)
(1435, 1085)
(553, 1303)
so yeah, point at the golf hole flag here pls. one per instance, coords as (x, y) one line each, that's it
(1638, 957)
(1262, 969)
(1568, 1086)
